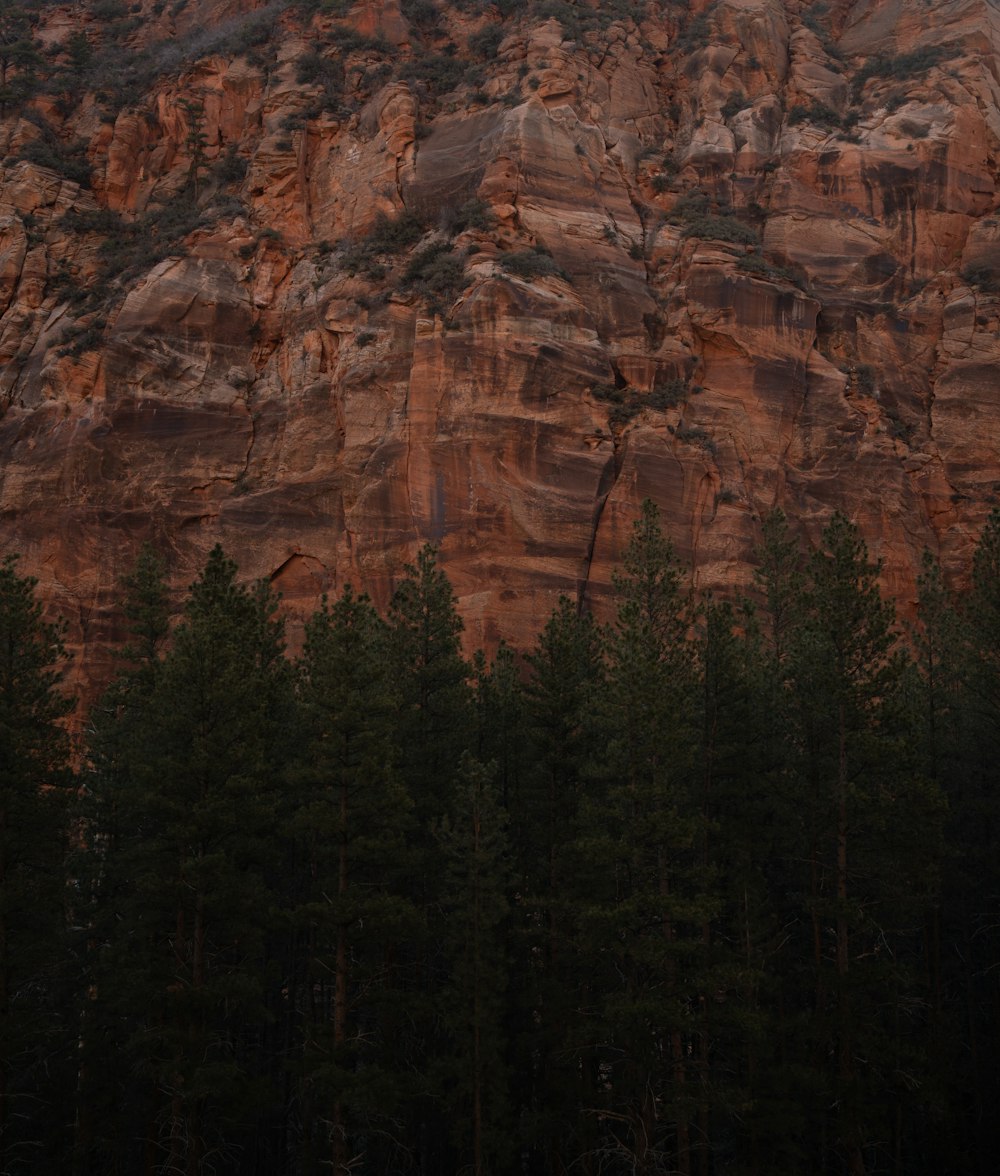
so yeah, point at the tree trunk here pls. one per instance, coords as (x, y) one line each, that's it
(339, 1127)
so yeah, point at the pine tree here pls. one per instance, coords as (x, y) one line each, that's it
(971, 891)
(473, 843)
(642, 834)
(196, 818)
(742, 830)
(347, 830)
(499, 706)
(553, 1054)
(19, 56)
(435, 726)
(870, 822)
(109, 1101)
(435, 714)
(36, 1037)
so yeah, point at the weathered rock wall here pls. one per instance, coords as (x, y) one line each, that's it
(755, 261)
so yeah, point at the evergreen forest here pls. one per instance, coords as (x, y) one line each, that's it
(710, 889)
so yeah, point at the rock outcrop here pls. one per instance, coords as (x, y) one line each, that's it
(324, 287)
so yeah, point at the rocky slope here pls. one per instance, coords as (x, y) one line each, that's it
(325, 281)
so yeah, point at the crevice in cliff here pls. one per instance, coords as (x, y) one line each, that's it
(244, 474)
(707, 491)
(609, 478)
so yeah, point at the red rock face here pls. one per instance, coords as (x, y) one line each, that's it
(765, 272)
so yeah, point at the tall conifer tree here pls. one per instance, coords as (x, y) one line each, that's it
(553, 1051)
(473, 844)
(870, 824)
(196, 821)
(643, 833)
(35, 1039)
(435, 726)
(347, 825)
(110, 1100)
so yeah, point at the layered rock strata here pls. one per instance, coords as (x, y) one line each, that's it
(323, 285)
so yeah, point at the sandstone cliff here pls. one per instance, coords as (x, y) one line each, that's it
(326, 281)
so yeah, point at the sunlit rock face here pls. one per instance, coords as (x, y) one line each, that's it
(323, 288)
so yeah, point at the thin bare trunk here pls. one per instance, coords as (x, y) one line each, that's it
(477, 1076)
(676, 1040)
(340, 991)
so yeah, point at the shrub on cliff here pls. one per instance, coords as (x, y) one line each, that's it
(473, 214)
(441, 73)
(984, 277)
(721, 228)
(734, 104)
(531, 263)
(388, 237)
(816, 112)
(313, 69)
(435, 272)
(901, 68)
(754, 264)
(486, 42)
(66, 159)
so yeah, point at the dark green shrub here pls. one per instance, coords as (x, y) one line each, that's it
(348, 40)
(721, 228)
(573, 20)
(984, 277)
(441, 73)
(668, 394)
(420, 12)
(435, 272)
(696, 35)
(130, 248)
(388, 237)
(914, 130)
(331, 7)
(865, 375)
(626, 403)
(691, 204)
(531, 263)
(230, 168)
(693, 435)
(80, 339)
(69, 160)
(107, 10)
(473, 214)
(816, 112)
(250, 33)
(225, 208)
(734, 104)
(609, 393)
(392, 236)
(753, 263)
(902, 67)
(486, 42)
(312, 69)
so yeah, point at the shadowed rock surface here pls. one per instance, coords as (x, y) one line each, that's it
(730, 257)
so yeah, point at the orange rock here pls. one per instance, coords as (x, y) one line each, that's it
(242, 376)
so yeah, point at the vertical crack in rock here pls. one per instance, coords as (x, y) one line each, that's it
(608, 480)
